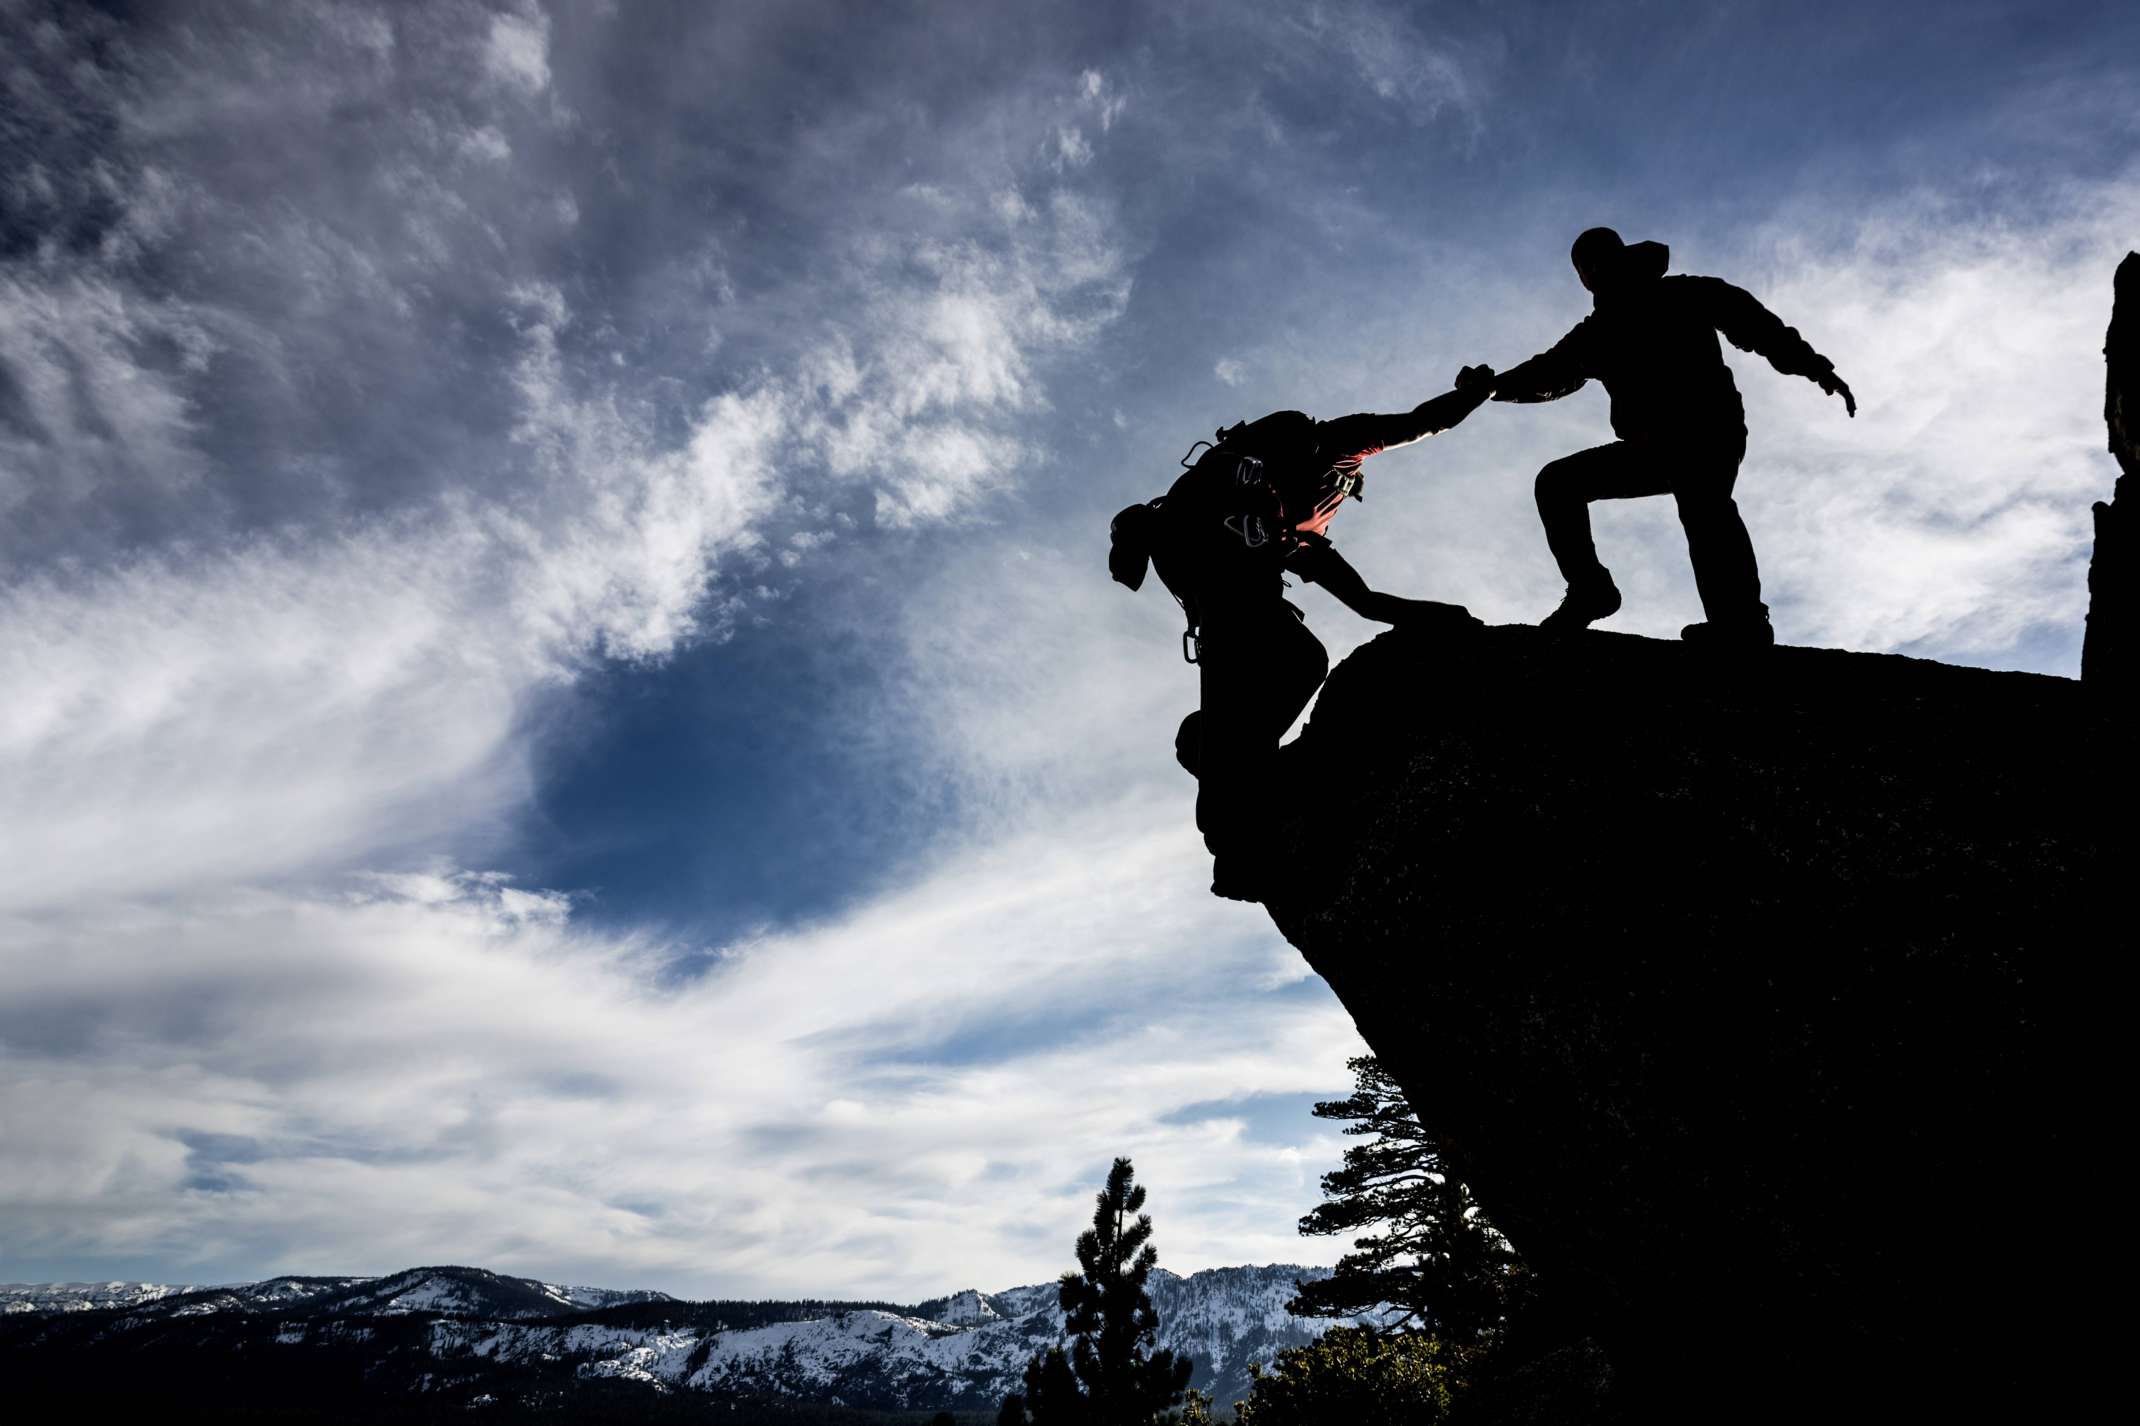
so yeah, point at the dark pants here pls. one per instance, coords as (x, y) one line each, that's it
(1259, 667)
(1699, 475)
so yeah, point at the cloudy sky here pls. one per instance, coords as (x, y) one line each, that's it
(560, 706)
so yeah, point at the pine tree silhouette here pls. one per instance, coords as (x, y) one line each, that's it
(1111, 1375)
(1426, 1251)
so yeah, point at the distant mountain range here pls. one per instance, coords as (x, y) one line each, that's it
(457, 1336)
(455, 1291)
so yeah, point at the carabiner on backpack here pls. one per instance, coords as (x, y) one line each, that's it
(1192, 645)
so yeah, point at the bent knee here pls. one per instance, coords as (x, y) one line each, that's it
(1556, 480)
(1189, 742)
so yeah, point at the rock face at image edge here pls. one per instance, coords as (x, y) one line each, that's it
(1765, 1001)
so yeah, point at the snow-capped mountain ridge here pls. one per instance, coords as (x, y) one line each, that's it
(451, 1290)
(965, 1350)
(21, 1297)
(968, 1308)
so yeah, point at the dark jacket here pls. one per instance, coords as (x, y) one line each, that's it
(1225, 533)
(1652, 340)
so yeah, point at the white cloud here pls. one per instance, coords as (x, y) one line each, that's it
(518, 53)
(486, 144)
(442, 1066)
(933, 410)
(102, 416)
(1101, 98)
(268, 709)
(244, 706)
(1391, 58)
(277, 705)
(945, 469)
(1071, 150)
(1953, 512)
(625, 572)
(212, 739)
(1230, 371)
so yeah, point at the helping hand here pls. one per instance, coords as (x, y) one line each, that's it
(1438, 617)
(1835, 386)
(1474, 376)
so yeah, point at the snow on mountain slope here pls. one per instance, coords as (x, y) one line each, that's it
(1019, 1303)
(1227, 1317)
(20, 1297)
(466, 1292)
(274, 1295)
(589, 1299)
(453, 1291)
(968, 1351)
(867, 1355)
(965, 1351)
(961, 1309)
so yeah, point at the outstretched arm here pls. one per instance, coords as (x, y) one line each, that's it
(1319, 563)
(1555, 372)
(1368, 433)
(1751, 327)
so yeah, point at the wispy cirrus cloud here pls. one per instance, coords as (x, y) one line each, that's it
(316, 518)
(253, 1077)
(1397, 60)
(245, 656)
(1974, 341)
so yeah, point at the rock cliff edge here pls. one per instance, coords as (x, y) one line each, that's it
(1765, 1003)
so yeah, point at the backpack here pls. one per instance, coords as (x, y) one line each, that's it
(1229, 516)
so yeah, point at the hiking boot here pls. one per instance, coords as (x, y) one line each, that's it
(1754, 633)
(1584, 604)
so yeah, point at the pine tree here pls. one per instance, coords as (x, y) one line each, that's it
(1112, 1374)
(1434, 1258)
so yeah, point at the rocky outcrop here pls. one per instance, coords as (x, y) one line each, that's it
(2107, 653)
(1763, 1001)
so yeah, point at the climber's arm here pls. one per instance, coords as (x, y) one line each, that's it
(1560, 370)
(1369, 433)
(1317, 562)
(1751, 327)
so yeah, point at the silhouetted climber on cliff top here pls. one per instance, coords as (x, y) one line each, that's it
(1651, 339)
(1251, 508)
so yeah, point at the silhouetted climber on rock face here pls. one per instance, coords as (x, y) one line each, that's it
(1651, 339)
(1250, 509)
